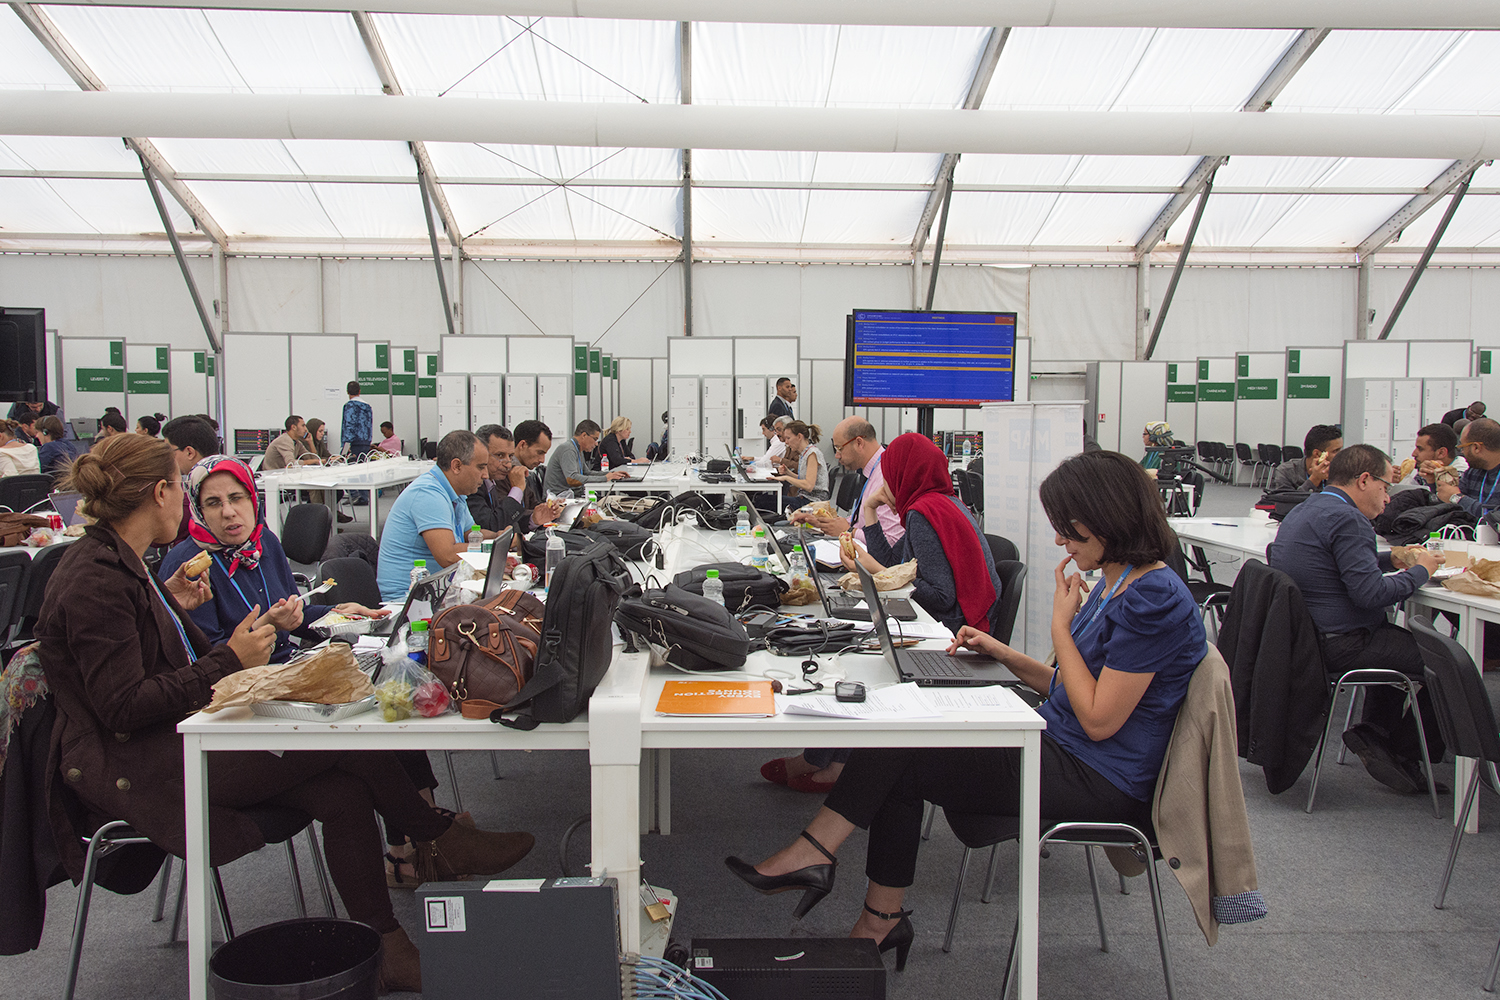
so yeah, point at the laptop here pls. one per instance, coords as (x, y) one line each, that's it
(634, 478)
(932, 667)
(84, 428)
(432, 590)
(66, 505)
(839, 604)
(494, 580)
(735, 464)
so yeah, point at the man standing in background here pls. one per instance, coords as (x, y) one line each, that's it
(786, 395)
(358, 424)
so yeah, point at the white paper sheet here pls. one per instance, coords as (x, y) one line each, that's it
(899, 701)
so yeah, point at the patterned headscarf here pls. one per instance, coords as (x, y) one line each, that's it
(1159, 433)
(247, 553)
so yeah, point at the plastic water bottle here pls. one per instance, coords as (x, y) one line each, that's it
(476, 538)
(761, 559)
(968, 448)
(604, 464)
(1435, 543)
(419, 609)
(713, 587)
(556, 550)
(592, 507)
(742, 527)
(797, 567)
(416, 642)
(419, 571)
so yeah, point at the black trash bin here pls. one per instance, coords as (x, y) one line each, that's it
(313, 959)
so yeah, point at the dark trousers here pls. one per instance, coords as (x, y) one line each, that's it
(419, 769)
(882, 790)
(822, 757)
(1388, 647)
(343, 790)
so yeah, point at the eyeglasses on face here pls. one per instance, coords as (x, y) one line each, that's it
(233, 500)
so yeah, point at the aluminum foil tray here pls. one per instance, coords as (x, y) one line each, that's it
(311, 711)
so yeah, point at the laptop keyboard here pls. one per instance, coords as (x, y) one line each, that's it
(935, 663)
(368, 661)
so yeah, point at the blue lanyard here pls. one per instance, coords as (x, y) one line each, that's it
(1075, 629)
(181, 632)
(860, 502)
(264, 588)
(1337, 496)
(1482, 480)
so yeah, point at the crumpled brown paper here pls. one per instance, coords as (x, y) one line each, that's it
(1482, 579)
(801, 593)
(327, 677)
(890, 578)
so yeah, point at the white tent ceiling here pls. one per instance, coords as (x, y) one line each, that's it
(592, 201)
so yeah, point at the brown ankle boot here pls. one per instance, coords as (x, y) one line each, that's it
(463, 849)
(400, 963)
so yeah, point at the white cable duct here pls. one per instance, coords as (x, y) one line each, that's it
(700, 126)
(964, 13)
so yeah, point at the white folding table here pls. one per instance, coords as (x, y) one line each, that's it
(360, 477)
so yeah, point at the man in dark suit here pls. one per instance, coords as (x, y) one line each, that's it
(781, 403)
(500, 501)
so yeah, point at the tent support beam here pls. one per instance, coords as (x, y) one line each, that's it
(1187, 246)
(1460, 172)
(937, 249)
(437, 257)
(1293, 59)
(187, 275)
(1416, 274)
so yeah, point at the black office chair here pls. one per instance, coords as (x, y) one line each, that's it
(1002, 549)
(1289, 452)
(1466, 718)
(353, 544)
(21, 493)
(356, 581)
(1247, 460)
(24, 620)
(1012, 573)
(1208, 596)
(304, 535)
(15, 569)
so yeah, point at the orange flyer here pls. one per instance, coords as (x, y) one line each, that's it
(743, 698)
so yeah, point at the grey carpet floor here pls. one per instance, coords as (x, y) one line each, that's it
(1350, 891)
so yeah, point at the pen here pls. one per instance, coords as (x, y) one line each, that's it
(1223, 524)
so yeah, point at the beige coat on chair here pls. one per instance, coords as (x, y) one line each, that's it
(1199, 807)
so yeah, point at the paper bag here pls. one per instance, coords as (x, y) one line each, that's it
(890, 578)
(1481, 578)
(801, 593)
(327, 677)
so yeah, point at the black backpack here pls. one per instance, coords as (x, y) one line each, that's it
(576, 643)
(629, 538)
(1279, 503)
(744, 586)
(575, 540)
(698, 634)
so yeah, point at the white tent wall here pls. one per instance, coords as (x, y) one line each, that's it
(1228, 310)
(1448, 303)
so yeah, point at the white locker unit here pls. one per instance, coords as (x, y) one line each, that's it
(452, 404)
(718, 415)
(1367, 412)
(1406, 416)
(1465, 391)
(1439, 395)
(554, 404)
(684, 416)
(520, 399)
(484, 400)
(750, 402)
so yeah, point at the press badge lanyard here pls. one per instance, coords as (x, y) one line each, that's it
(264, 589)
(859, 503)
(181, 632)
(1487, 493)
(1077, 630)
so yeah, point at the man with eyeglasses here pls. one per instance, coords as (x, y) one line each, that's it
(569, 469)
(1477, 491)
(1327, 546)
(858, 449)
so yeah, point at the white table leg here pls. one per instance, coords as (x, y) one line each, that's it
(200, 903)
(273, 508)
(374, 515)
(614, 831)
(1027, 904)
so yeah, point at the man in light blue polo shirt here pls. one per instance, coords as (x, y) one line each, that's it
(431, 516)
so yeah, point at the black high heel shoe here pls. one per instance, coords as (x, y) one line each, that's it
(815, 881)
(899, 937)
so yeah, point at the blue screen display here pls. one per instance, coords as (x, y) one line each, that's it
(899, 358)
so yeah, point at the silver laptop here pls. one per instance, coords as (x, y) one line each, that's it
(65, 502)
(839, 604)
(494, 579)
(932, 667)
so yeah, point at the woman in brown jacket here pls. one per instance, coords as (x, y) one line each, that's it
(126, 664)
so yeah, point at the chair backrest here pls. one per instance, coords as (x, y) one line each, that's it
(1203, 449)
(1177, 562)
(355, 581)
(1273, 454)
(976, 488)
(1242, 450)
(355, 544)
(1012, 573)
(1002, 549)
(36, 584)
(1462, 705)
(1289, 452)
(304, 536)
(848, 492)
(20, 492)
(15, 568)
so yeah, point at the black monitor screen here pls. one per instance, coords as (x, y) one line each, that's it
(910, 358)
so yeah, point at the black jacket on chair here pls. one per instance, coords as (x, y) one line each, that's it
(1276, 669)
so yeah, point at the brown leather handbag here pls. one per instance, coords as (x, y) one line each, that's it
(486, 652)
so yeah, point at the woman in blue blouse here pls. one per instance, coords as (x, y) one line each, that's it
(1124, 659)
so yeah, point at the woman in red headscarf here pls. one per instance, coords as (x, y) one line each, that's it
(956, 580)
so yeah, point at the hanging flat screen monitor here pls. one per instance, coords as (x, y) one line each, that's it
(911, 358)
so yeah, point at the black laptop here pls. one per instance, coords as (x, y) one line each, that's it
(839, 604)
(432, 590)
(632, 478)
(494, 580)
(933, 667)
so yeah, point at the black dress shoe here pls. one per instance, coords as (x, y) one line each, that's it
(345, 518)
(1384, 766)
(899, 937)
(815, 881)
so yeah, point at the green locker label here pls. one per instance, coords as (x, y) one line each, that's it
(1203, 370)
(1256, 388)
(1171, 373)
(213, 364)
(101, 380)
(1182, 394)
(383, 356)
(404, 385)
(1215, 392)
(432, 364)
(198, 366)
(376, 382)
(147, 383)
(427, 388)
(594, 362)
(581, 358)
(604, 365)
(617, 369)
(580, 383)
(409, 361)
(117, 353)
(1309, 387)
(163, 359)
(1484, 362)
(1243, 361)
(1293, 362)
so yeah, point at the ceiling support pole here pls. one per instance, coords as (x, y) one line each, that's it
(1416, 274)
(1187, 245)
(187, 275)
(437, 258)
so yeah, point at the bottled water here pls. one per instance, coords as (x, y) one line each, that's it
(968, 448)
(419, 609)
(1435, 543)
(555, 552)
(416, 642)
(797, 567)
(713, 587)
(742, 527)
(604, 463)
(761, 559)
(475, 538)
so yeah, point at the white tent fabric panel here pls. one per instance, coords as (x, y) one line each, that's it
(1310, 171)
(1475, 224)
(24, 62)
(316, 157)
(1082, 313)
(1285, 220)
(264, 52)
(861, 216)
(553, 163)
(555, 59)
(274, 294)
(990, 219)
(873, 168)
(372, 211)
(1464, 81)
(1133, 170)
(65, 152)
(1220, 311)
(1447, 304)
(376, 298)
(554, 212)
(64, 205)
(1097, 219)
(251, 208)
(1366, 71)
(748, 215)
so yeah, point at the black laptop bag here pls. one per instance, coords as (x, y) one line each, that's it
(697, 634)
(744, 586)
(628, 538)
